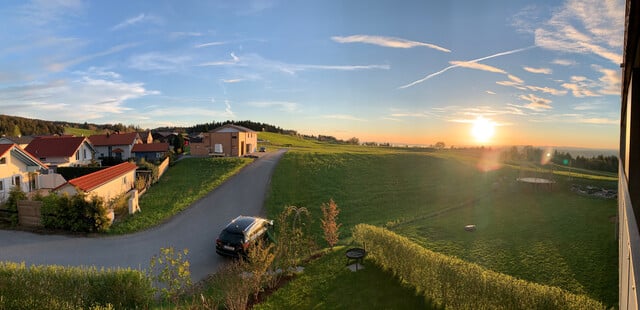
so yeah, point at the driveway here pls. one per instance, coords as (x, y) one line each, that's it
(195, 229)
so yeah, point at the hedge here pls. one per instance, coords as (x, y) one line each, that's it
(56, 287)
(456, 284)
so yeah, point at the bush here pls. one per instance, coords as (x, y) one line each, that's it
(456, 284)
(16, 194)
(75, 213)
(56, 287)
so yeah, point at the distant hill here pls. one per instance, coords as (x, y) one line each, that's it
(22, 126)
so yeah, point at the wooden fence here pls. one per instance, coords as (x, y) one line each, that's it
(29, 213)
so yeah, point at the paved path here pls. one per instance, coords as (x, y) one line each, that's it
(195, 228)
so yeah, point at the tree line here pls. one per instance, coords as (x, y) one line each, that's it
(533, 154)
(21, 126)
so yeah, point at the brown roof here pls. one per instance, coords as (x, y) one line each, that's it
(21, 139)
(114, 139)
(54, 146)
(4, 148)
(150, 147)
(236, 127)
(92, 180)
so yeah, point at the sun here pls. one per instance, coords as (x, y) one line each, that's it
(483, 129)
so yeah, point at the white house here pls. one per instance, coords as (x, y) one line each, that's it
(18, 167)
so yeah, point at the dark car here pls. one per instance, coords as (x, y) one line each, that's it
(236, 238)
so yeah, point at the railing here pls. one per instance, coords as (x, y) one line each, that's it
(629, 247)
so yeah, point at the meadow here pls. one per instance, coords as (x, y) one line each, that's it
(548, 236)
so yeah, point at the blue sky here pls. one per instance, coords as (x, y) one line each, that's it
(418, 72)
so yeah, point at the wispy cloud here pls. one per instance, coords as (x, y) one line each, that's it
(231, 81)
(141, 18)
(386, 42)
(60, 66)
(158, 62)
(490, 92)
(457, 65)
(217, 43)
(285, 106)
(536, 103)
(585, 26)
(257, 62)
(547, 90)
(599, 121)
(581, 86)
(610, 81)
(182, 34)
(344, 117)
(564, 62)
(476, 66)
(538, 70)
(41, 12)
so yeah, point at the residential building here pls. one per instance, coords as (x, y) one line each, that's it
(115, 145)
(21, 141)
(107, 183)
(62, 151)
(146, 136)
(629, 168)
(18, 168)
(227, 140)
(150, 151)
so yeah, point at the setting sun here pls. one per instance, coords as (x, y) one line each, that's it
(482, 129)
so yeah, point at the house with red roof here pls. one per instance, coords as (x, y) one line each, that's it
(62, 151)
(151, 151)
(107, 183)
(116, 145)
(18, 168)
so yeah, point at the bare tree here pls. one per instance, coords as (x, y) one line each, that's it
(330, 225)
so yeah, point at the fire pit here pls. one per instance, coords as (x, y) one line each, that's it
(356, 254)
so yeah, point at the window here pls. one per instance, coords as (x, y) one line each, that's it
(3, 160)
(124, 180)
(84, 152)
(1, 185)
(16, 180)
(77, 155)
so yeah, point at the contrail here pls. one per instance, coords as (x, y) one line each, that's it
(458, 65)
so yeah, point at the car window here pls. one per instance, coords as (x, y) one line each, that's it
(228, 237)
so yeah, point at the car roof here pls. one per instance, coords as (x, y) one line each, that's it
(242, 223)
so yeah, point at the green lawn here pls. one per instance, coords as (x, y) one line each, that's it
(327, 284)
(552, 237)
(187, 181)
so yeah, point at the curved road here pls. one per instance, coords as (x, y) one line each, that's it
(195, 228)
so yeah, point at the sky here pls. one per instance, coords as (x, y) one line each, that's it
(461, 72)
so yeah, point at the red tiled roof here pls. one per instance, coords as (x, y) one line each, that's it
(54, 146)
(92, 180)
(150, 147)
(5, 148)
(114, 139)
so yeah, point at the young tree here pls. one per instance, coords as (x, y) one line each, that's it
(330, 225)
(170, 268)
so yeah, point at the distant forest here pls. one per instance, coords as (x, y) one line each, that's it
(533, 154)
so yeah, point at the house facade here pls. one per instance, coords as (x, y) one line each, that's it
(62, 151)
(116, 145)
(150, 151)
(18, 168)
(107, 183)
(227, 140)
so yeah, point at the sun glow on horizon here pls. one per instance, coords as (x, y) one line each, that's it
(483, 130)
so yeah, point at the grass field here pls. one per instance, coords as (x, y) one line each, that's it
(80, 132)
(183, 184)
(551, 237)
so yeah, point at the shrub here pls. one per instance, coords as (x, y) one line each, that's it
(456, 284)
(75, 213)
(170, 269)
(56, 287)
(16, 194)
(330, 227)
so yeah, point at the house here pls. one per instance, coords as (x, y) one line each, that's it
(150, 151)
(21, 141)
(62, 151)
(18, 167)
(227, 140)
(146, 136)
(116, 145)
(165, 136)
(107, 183)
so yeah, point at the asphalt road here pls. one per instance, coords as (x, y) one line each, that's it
(195, 229)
